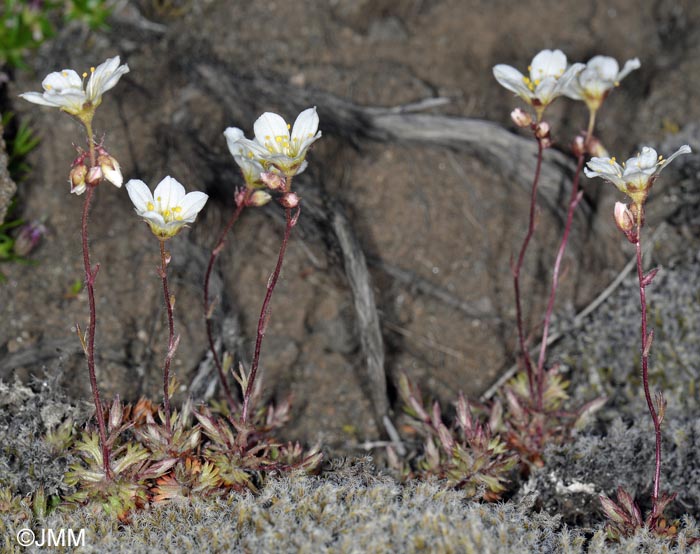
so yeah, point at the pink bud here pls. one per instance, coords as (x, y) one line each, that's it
(623, 217)
(521, 118)
(94, 176)
(542, 130)
(273, 181)
(259, 198)
(579, 146)
(290, 200)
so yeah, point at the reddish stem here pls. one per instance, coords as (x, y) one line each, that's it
(207, 305)
(573, 202)
(645, 363)
(164, 261)
(264, 312)
(90, 346)
(519, 265)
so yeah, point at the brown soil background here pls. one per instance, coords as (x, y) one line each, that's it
(433, 215)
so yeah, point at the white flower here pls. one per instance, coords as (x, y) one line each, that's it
(168, 209)
(635, 176)
(273, 145)
(597, 79)
(66, 90)
(547, 80)
(245, 157)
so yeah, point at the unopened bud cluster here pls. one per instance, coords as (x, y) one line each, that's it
(84, 175)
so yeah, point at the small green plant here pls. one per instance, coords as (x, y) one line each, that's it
(467, 454)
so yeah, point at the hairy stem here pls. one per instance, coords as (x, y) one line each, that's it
(208, 308)
(264, 312)
(573, 202)
(90, 275)
(164, 261)
(645, 362)
(518, 266)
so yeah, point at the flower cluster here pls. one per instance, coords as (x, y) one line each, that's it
(273, 148)
(550, 77)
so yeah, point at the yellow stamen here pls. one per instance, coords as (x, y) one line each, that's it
(92, 70)
(288, 126)
(150, 206)
(48, 87)
(278, 138)
(64, 73)
(612, 160)
(616, 83)
(84, 74)
(529, 68)
(177, 209)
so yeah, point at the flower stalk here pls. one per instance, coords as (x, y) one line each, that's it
(169, 301)
(208, 306)
(263, 320)
(90, 275)
(646, 339)
(518, 267)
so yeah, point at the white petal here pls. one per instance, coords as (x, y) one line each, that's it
(305, 125)
(605, 67)
(547, 90)
(268, 126)
(38, 98)
(233, 135)
(685, 149)
(510, 78)
(105, 76)
(630, 66)
(192, 204)
(168, 194)
(154, 218)
(645, 162)
(548, 63)
(59, 81)
(140, 195)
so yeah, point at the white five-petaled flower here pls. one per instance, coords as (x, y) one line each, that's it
(273, 146)
(635, 176)
(168, 209)
(600, 75)
(548, 77)
(66, 90)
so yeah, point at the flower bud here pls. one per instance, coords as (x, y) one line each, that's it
(77, 179)
(94, 176)
(290, 200)
(273, 181)
(259, 198)
(28, 238)
(110, 169)
(596, 148)
(521, 118)
(542, 130)
(579, 146)
(623, 217)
